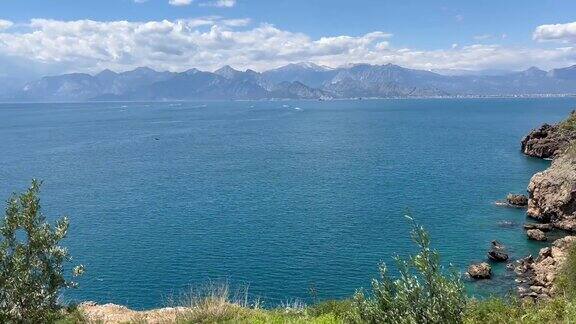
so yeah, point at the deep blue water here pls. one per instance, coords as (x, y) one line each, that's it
(162, 196)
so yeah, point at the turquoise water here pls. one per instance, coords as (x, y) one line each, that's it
(163, 196)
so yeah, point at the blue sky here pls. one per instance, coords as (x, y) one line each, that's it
(261, 34)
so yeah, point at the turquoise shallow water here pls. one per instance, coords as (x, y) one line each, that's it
(162, 196)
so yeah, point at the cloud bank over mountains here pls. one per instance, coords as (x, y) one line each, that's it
(208, 43)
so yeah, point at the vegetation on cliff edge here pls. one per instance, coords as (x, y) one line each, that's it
(31, 261)
(569, 124)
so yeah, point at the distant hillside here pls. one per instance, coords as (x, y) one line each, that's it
(293, 81)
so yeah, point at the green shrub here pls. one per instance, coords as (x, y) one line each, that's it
(569, 124)
(31, 261)
(73, 315)
(338, 308)
(493, 310)
(566, 280)
(423, 293)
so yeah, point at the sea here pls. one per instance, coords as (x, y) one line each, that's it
(285, 201)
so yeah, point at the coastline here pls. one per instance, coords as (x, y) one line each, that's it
(455, 97)
(552, 204)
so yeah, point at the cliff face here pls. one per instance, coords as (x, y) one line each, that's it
(549, 141)
(551, 200)
(552, 193)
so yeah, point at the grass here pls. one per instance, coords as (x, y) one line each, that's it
(570, 123)
(231, 312)
(216, 304)
(558, 310)
(494, 310)
(72, 315)
(566, 279)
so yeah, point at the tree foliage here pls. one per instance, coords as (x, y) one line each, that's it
(31, 261)
(423, 292)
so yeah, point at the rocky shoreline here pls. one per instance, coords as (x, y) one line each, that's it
(551, 201)
(552, 192)
(535, 277)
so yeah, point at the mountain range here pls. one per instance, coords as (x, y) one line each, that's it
(293, 81)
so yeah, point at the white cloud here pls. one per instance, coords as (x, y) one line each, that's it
(482, 37)
(5, 24)
(219, 3)
(180, 2)
(209, 42)
(558, 32)
(236, 22)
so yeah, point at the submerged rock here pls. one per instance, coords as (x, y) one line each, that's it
(517, 200)
(507, 224)
(497, 252)
(536, 234)
(480, 271)
(543, 227)
(497, 256)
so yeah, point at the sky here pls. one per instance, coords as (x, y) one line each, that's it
(62, 36)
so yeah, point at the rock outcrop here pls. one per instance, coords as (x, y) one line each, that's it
(552, 201)
(480, 271)
(517, 200)
(536, 235)
(112, 314)
(552, 193)
(497, 252)
(536, 277)
(549, 140)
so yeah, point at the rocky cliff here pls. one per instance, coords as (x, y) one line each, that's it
(551, 200)
(548, 141)
(552, 193)
(536, 277)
